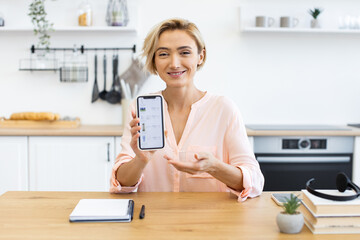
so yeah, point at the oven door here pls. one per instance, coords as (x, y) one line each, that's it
(290, 172)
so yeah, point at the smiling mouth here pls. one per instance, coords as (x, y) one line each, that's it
(176, 73)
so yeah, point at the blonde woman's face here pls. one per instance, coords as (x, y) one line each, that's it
(177, 58)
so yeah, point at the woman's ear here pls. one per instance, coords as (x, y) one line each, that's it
(201, 57)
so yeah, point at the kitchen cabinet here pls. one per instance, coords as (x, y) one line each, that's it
(13, 163)
(251, 141)
(64, 163)
(117, 146)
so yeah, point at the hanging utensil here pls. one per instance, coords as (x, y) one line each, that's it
(114, 96)
(117, 77)
(95, 94)
(104, 92)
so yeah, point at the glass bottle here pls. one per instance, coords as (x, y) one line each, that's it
(117, 13)
(85, 14)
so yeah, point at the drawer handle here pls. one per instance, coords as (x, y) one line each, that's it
(108, 152)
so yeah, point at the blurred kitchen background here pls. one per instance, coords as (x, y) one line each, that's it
(295, 77)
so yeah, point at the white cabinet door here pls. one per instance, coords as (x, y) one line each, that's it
(70, 163)
(117, 146)
(13, 164)
(251, 140)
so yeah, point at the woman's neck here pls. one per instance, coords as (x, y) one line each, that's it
(182, 98)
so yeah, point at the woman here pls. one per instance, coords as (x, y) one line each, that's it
(207, 149)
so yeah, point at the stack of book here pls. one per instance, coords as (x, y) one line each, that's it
(324, 216)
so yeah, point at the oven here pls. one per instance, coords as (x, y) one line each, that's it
(287, 162)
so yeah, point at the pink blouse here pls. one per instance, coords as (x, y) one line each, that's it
(214, 125)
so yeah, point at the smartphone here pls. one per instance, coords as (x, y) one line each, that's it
(149, 110)
(280, 198)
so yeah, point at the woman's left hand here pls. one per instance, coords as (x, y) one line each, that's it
(204, 162)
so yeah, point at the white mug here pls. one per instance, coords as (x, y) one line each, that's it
(288, 22)
(263, 21)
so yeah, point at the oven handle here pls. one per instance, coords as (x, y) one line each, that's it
(308, 159)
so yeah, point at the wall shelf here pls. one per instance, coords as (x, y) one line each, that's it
(73, 29)
(298, 30)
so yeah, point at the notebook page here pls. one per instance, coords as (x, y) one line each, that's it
(101, 208)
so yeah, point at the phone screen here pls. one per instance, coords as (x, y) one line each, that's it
(150, 112)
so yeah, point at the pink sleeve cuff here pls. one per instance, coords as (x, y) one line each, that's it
(115, 186)
(244, 194)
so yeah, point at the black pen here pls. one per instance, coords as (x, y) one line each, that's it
(142, 212)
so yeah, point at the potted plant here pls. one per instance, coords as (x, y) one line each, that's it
(42, 26)
(315, 13)
(290, 220)
(43, 59)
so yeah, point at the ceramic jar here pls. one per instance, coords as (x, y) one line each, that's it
(315, 23)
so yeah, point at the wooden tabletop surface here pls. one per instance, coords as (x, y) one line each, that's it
(45, 215)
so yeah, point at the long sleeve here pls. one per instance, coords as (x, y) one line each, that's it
(126, 155)
(240, 155)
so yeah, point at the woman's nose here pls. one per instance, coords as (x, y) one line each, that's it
(175, 61)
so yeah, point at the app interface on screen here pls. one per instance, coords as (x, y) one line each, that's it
(151, 133)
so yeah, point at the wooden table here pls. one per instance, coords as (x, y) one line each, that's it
(45, 215)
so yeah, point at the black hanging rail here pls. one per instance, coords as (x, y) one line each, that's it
(83, 49)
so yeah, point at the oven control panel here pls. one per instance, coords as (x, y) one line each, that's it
(304, 143)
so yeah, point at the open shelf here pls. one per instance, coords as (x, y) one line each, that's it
(96, 28)
(15, 29)
(74, 29)
(299, 30)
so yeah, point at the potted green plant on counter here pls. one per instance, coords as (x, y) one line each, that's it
(315, 13)
(290, 220)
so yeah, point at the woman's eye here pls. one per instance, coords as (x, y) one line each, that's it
(162, 54)
(185, 53)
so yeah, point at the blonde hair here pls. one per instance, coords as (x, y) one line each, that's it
(172, 24)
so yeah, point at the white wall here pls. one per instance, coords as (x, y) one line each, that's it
(273, 77)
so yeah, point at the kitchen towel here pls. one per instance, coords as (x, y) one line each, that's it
(135, 74)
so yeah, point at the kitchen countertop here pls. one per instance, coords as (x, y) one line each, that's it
(82, 130)
(351, 132)
(116, 130)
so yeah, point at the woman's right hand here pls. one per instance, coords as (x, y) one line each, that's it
(134, 130)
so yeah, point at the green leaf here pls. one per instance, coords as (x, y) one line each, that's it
(315, 12)
(41, 25)
(292, 204)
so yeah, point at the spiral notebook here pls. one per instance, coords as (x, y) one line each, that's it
(103, 210)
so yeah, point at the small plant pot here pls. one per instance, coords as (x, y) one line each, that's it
(315, 23)
(290, 223)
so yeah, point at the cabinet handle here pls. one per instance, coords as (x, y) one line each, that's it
(108, 152)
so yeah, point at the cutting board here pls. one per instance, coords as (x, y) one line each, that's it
(5, 123)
